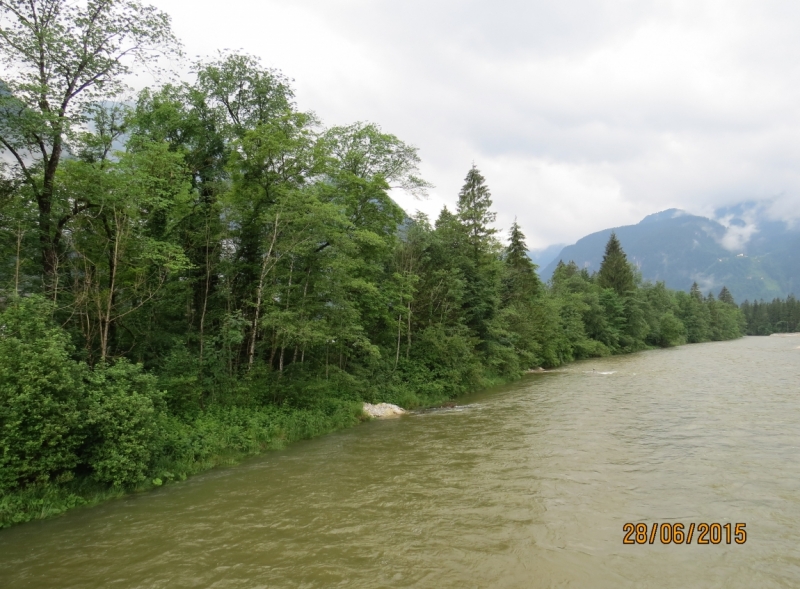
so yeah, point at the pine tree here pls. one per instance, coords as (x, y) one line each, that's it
(474, 204)
(615, 272)
(517, 250)
(725, 296)
(521, 278)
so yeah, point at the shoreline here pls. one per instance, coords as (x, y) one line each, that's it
(42, 502)
(37, 503)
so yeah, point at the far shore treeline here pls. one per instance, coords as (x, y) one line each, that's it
(205, 271)
(776, 316)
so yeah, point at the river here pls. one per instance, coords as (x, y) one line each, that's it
(523, 486)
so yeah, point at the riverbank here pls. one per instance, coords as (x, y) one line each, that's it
(224, 436)
(219, 437)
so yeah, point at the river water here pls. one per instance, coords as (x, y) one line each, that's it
(524, 486)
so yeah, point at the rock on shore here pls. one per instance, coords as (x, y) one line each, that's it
(383, 410)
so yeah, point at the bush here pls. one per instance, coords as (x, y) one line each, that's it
(42, 397)
(57, 414)
(120, 422)
(672, 331)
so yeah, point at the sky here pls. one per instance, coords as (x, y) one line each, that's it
(582, 115)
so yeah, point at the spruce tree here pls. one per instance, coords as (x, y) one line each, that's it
(517, 250)
(474, 204)
(725, 296)
(615, 271)
(521, 279)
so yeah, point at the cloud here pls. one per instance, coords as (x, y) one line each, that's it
(582, 115)
(737, 236)
(706, 282)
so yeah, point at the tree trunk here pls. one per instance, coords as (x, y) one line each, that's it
(205, 297)
(397, 354)
(408, 344)
(20, 233)
(106, 320)
(260, 292)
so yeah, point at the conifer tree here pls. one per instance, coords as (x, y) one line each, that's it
(474, 204)
(725, 296)
(517, 250)
(696, 315)
(615, 272)
(521, 278)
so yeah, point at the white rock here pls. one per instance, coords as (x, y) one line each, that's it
(383, 410)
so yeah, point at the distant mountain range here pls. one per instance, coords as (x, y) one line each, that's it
(542, 257)
(753, 256)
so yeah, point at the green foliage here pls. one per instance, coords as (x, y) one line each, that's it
(120, 422)
(521, 280)
(726, 297)
(42, 400)
(474, 210)
(59, 416)
(615, 271)
(65, 60)
(695, 316)
(671, 331)
(777, 316)
(237, 277)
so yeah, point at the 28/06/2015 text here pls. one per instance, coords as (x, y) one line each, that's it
(681, 534)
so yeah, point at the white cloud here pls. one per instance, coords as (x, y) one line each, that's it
(736, 237)
(582, 115)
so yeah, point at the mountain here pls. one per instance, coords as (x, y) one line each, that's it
(753, 256)
(542, 257)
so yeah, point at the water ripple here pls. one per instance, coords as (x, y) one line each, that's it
(524, 486)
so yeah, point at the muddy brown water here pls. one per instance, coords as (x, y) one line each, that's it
(524, 486)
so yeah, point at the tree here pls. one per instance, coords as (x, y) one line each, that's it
(477, 254)
(615, 271)
(62, 58)
(121, 253)
(365, 151)
(695, 314)
(474, 204)
(517, 250)
(521, 279)
(243, 92)
(725, 296)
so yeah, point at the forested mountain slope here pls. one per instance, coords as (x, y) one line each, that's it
(680, 249)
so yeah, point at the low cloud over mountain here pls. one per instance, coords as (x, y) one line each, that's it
(743, 249)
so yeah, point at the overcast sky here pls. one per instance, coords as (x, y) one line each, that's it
(582, 115)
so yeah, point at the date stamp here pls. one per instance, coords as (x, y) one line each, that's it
(701, 533)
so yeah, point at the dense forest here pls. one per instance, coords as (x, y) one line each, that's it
(778, 316)
(205, 270)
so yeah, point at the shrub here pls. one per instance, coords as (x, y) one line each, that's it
(42, 396)
(120, 422)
